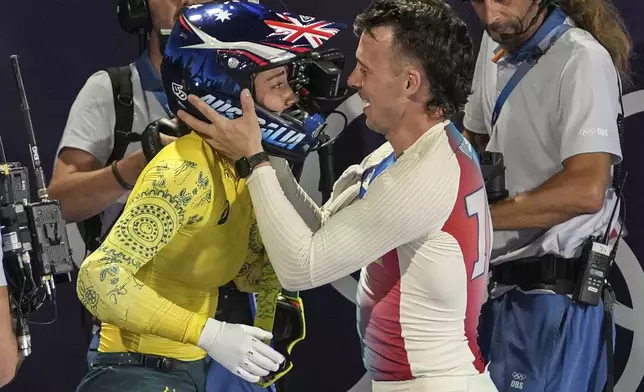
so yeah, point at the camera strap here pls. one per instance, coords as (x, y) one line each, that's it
(526, 65)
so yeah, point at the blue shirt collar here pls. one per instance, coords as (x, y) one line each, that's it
(150, 79)
(556, 17)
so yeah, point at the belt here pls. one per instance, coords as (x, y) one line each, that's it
(548, 272)
(147, 361)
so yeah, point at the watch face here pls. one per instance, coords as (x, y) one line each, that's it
(243, 167)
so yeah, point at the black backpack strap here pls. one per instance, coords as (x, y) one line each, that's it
(90, 229)
(124, 110)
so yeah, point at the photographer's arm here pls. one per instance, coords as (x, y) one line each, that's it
(80, 181)
(172, 195)
(578, 189)
(8, 344)
(84, 187)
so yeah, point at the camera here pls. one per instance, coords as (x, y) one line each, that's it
(35, 246)
(493, 169)
(319, 75)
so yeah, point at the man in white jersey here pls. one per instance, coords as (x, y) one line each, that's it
(413, 215)
(557, 130)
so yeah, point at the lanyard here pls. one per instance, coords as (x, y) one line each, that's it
(163, 100)
(544, 45)
(150, 81)
(370, 174)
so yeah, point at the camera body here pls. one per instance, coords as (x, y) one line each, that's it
(493, 169)
(319, 73)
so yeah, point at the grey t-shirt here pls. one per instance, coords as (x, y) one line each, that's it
(90, 125)
(566, 105)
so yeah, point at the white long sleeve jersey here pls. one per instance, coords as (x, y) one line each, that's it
(421, 234)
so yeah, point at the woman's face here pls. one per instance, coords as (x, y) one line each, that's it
(273, 91)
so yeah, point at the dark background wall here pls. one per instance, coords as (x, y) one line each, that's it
(61, 43)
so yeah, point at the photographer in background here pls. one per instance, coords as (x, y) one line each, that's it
(9, 356)
(556, 123)
(81, 180)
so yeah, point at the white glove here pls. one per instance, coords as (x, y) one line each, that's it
(239, 348)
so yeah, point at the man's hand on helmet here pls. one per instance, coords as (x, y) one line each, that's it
(233, 138)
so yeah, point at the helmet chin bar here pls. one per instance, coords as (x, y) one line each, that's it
(297, 117)
(302, 114)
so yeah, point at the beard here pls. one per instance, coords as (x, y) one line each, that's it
(508, 34)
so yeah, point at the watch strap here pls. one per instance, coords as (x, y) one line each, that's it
(257, 159)
(245, 165)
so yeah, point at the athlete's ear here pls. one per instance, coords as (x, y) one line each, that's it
(413, 82)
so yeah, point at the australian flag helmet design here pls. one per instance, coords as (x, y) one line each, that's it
(215, 48)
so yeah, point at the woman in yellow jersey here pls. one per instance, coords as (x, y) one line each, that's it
(188, 226)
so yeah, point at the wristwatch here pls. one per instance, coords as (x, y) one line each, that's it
(245, 165)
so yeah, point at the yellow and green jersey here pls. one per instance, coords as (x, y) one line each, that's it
(188, 228)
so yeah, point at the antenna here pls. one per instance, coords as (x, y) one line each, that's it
(3, 157)
(33, 148)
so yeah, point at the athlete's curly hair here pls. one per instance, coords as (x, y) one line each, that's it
(429, 32)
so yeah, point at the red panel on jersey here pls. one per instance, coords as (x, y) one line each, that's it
(384, 343)
(465, 229)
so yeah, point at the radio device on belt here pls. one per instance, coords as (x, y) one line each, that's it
(596, 258)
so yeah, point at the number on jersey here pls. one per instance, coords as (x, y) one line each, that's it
(476, 205)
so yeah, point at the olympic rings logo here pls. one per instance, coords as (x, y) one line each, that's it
(519, 376)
